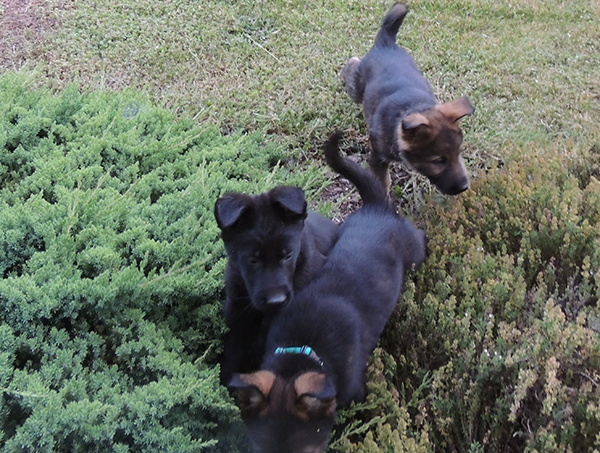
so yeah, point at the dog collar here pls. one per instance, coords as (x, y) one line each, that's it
(303, 350)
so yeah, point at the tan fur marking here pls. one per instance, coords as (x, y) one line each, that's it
(306, 405)
(415, 120)
(455, 110)
(403, 144)
(428, 118)
(311, 382)
(263, 380)
(410, 138)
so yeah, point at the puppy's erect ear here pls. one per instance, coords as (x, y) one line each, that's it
(315, 396)
(253, 390)
(289, 201)
(413, 121)
(229, 209)
(414, 129)
(455, 110)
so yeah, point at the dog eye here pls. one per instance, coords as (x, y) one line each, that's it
(253, 260)
(287, 257)
(441, 160)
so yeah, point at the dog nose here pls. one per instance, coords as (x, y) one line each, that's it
(277, 299)
(459, 187)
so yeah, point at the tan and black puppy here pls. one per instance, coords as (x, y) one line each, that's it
(405, 121)
(318, 346)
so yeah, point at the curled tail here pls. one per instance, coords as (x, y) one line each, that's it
(370, 189)
(390, 25)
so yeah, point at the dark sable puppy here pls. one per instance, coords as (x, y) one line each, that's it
(318, 346)
(274, 247)
(405, 121)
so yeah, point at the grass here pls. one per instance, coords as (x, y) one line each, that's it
(531, 68)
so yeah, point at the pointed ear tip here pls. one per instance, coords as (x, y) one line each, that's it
(299, 192)
(288, 190)
(468, 105)
(230, 207)
(291, 198)
(456, 109)
(223, 200)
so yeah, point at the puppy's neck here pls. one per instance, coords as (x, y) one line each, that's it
(291, 361)
(302, 350)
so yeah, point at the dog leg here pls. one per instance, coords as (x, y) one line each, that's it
(381, 170)
(348, 76)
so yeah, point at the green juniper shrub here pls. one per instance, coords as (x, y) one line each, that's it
(111, 272)
(496, 341)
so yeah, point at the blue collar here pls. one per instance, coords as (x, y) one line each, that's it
(304, 350)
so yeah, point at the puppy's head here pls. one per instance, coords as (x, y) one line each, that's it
(286, 415)
(262, 239)
(431, 141)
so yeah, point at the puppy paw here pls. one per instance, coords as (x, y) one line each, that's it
(348, 69)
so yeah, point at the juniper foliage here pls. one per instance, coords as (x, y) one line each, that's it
(111, 272)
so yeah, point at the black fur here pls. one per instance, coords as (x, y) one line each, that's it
(340, 315)
(274, 247)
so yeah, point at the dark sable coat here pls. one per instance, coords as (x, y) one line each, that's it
(274, 247)
(405, 121)
(289, 405)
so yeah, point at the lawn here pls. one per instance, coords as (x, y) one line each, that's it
(495, 345)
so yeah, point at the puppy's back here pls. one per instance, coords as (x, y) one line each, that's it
(375, 248)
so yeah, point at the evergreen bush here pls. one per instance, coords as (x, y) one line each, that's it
(112, 272)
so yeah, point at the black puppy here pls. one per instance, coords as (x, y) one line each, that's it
(274, 247)
(405, 121)
(318, 346)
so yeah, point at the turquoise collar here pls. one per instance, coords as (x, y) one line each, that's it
(303, 350)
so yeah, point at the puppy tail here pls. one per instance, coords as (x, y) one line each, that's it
(390, 25)
(370, 189)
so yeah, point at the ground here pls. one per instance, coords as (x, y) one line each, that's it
(24, 24)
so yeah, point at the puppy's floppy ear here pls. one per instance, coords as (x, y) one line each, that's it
(230, 208)
(455, 110)
(315, 396)
(289, 201)
(253, 390)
